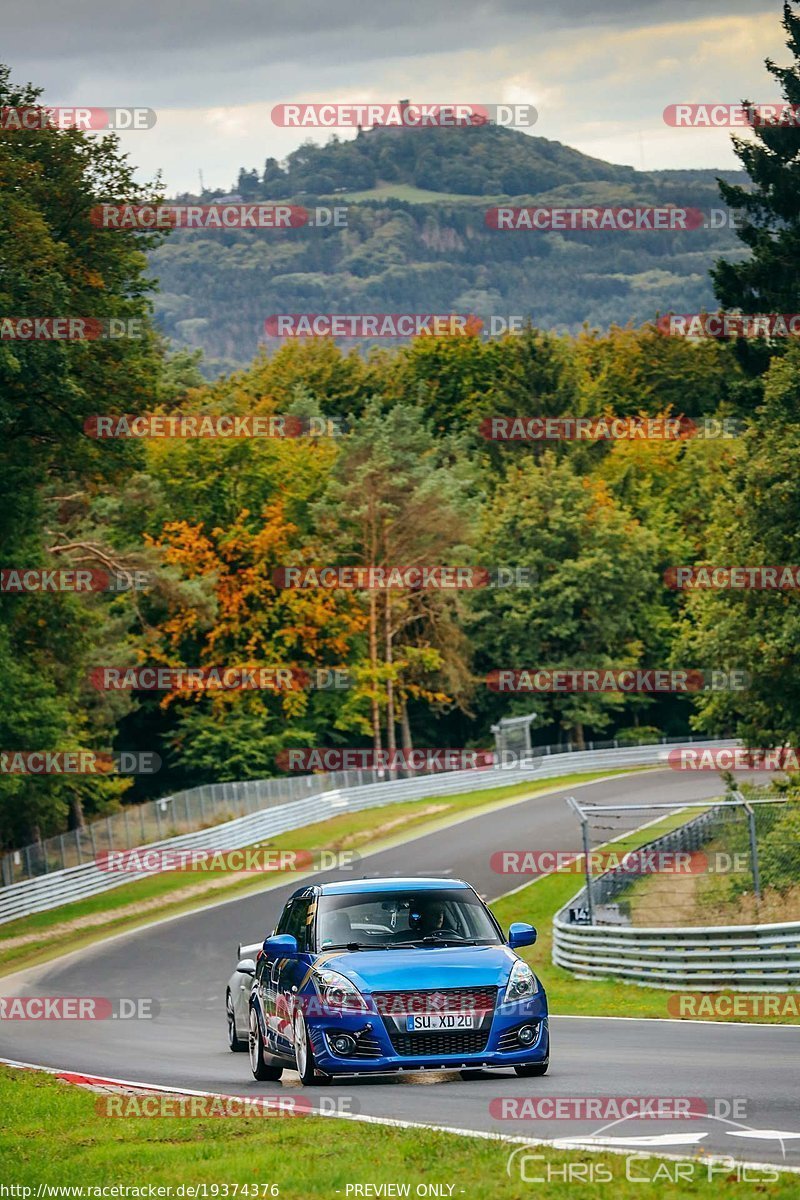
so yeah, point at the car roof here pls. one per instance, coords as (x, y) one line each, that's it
(393, 884)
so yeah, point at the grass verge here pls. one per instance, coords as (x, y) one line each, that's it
(53, 1135)
(71, 926)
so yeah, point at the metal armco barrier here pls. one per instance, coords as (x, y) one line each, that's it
(739, 957)
(702, 958)
(75, 883)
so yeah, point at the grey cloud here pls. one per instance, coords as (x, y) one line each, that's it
(206, 52)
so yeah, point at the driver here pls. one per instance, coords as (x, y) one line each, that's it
(430, 916)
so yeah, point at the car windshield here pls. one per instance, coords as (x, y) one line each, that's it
(445, 916)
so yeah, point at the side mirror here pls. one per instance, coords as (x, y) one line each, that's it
(520, 933)
(246, 966)
(280, 945)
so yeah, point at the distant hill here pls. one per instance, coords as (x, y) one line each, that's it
(470, 162)
(416, 240)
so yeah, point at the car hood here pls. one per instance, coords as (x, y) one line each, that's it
(419, 970)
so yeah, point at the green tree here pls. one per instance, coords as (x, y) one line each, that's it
(396, 498)
(593, 588)
(769, 280)
(54, 262)
(755, 523)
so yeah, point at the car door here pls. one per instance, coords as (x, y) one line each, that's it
(282, 977)
(266, 981)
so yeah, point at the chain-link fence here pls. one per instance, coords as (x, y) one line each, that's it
(736, 862)
(184, 812)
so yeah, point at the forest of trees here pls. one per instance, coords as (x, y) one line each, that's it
(409, 479)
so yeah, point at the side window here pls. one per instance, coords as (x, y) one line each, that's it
(296, 923)
(283, 923)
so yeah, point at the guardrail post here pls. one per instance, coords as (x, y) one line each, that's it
(585, 833)
(751, 822)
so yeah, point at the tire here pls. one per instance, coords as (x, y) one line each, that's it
(304, 1054)
(262, 1071)
(235, 1043)
(533, 1069)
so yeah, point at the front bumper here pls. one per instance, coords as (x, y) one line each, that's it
(377, 1050)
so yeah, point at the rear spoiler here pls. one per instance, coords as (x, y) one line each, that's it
(247, 951)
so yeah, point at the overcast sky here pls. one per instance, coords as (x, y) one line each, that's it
(600, 72)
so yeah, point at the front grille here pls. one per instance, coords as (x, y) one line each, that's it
(464, 999)
(465, 1041)
(508, 1040)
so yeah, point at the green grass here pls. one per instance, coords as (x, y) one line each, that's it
(359, 831)
(53, 1134)
(541, 900)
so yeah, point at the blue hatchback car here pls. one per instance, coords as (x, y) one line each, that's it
(383, 975)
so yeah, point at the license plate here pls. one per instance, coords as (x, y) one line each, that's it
(424, 1021)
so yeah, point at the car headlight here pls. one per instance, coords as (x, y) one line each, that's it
(336, 991)
(521, 983)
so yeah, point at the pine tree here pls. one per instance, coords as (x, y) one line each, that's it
(769, 210)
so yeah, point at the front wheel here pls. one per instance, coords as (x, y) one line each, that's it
(304, 1053)
(533, 1068)
(262, 1071)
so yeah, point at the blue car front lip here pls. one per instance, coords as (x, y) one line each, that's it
(333, 1064)
(533, 1010)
